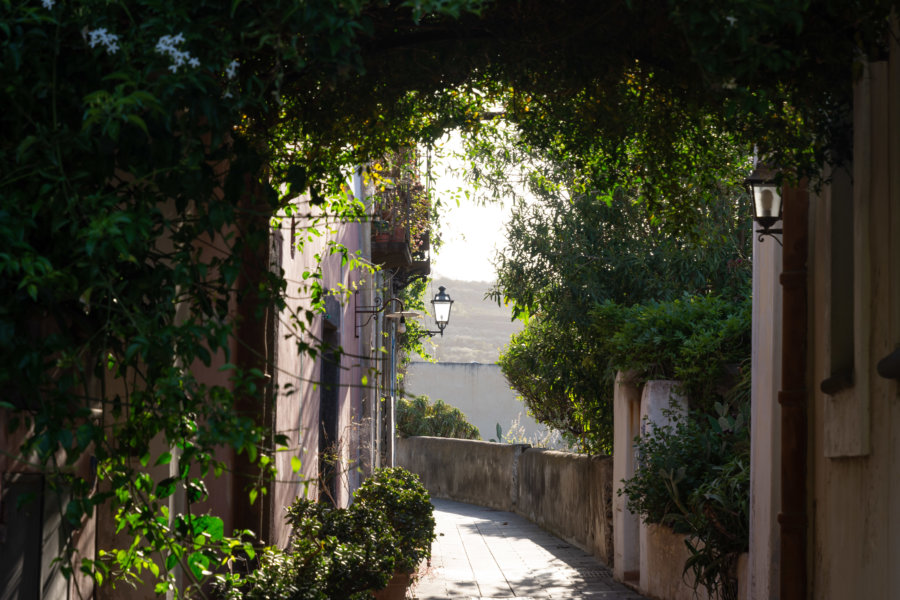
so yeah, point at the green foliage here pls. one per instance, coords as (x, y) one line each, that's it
(279, 574)
(404, 500)
(694, 475)
(564, 381)
(344, 553)
(585, 238)
(333, 553)
(357, 542)
(697, 340)
(137, 190)
(419, 416)
(138, 186)
(590, 239)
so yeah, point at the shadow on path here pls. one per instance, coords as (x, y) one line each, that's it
(483, 553)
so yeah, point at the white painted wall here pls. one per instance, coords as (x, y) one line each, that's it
(479, 390)
(765, 419)
(626, 427)
(659, 405)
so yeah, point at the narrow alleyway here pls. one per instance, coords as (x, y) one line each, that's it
(481, 553)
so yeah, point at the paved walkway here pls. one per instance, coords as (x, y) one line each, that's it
(481, 553)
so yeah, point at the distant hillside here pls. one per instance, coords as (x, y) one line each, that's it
(478, 328)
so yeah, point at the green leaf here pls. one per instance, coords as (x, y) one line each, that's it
(199, 565)
(166, 487)
(249, 550)
(210, 525)
(139, 122)
(23, 147)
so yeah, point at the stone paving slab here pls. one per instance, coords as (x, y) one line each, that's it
(486, 554)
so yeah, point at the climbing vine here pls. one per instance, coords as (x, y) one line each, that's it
(148, 145)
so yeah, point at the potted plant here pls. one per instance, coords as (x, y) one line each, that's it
(381, 230)
(402, 498)
(370, 548)
(357, 542)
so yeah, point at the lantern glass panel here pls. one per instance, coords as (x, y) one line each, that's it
(767, 202)
(442, 303)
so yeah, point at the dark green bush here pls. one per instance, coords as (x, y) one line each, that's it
(358, 541)
(401, 496)
(344, 553)
(567, 379)
(419, 416)
(294, 575)
(672, 462)
(697, 340)
(564, 380)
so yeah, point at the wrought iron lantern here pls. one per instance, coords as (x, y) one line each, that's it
(767, 203)
(441, 304)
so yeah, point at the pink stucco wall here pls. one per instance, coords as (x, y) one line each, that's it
(298, 373)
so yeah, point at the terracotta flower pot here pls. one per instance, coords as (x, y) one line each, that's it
(399, 234)
(396, 587)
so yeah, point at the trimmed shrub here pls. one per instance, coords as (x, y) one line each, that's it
(344, 553)
(401, 496)
(419, 416)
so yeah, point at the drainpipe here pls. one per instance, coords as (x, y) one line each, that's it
(253, 323)
(793, 396)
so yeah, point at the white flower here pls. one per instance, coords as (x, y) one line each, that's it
(731, 20)
(48, 4)
(168, 45)
(110, 41)
(231, 69)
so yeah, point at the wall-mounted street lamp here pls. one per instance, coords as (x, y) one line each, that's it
(381, 307)
(441, 304)
(766, 201)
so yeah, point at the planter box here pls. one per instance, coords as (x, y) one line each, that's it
(663, 555)
(396, 587)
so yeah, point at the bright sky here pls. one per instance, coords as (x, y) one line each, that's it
(472, 234)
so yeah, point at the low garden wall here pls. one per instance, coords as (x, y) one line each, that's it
(470, 471)
(567, 494)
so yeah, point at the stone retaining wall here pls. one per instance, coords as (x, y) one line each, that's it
(567, 494)
(464, 470)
